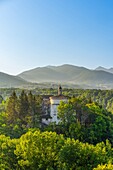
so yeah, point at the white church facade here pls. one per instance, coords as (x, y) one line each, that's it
(54, 102)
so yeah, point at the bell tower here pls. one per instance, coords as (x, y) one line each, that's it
(59, 90)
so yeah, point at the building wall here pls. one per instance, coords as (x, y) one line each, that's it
(53, 109)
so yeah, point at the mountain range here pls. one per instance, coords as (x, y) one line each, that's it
(65, 74)
(110, 70)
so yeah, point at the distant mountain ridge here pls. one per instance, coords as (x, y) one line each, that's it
(69, 74)
(61, 73)
(110, 70)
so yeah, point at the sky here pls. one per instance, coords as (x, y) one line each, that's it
(37, 33)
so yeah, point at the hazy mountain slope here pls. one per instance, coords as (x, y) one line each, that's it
(110, 70)
(69, 69)
(11, 81)
(52, 73)
(69, 74)
(95, 77)
(42, 74)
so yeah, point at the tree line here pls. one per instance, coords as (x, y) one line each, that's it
(19, 113)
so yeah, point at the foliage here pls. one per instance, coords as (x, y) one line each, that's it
(1, 99)
(8, 159)
(39, 150)
(67, 113)
(85, 121)
(50, 151)
(19, 114)
(77, 155)
(104, 167)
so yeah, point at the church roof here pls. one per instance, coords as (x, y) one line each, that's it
(46, 96)
(58, 97)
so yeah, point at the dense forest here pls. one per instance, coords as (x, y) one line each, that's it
(83, 139)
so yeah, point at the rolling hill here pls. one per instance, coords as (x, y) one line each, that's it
(7, 81)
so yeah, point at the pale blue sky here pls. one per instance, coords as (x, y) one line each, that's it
(35, 33)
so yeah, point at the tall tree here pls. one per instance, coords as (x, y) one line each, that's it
(11, 108)
(23, 107)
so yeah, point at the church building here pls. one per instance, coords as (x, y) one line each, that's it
(50, 107)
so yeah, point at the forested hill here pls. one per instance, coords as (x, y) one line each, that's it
(70, 74)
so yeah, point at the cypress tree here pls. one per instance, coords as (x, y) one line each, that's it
(11, 108)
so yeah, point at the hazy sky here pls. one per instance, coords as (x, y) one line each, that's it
(35, 33)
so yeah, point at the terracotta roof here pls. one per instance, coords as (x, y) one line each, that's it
(58, 97)
(46, 96)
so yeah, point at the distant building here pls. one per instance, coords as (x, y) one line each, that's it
(50, 105)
